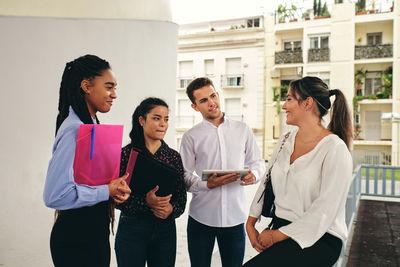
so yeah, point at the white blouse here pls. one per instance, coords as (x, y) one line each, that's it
(312, 191)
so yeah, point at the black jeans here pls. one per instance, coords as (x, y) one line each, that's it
(201, 239)
(324, 252)
(80, 237)
(145, 238)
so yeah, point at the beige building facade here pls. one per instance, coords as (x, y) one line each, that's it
(231, 54)
(355, 52)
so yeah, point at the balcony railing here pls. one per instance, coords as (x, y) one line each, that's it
(290, 56)
(232, 80)
(318, 55)
(373, 51)
(183, 82)
(371, 157)
(185, 122)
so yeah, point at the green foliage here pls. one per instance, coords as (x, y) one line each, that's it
(360, 5)
(315, 7)
(387, 79)
(279, 93)
(358, 78)
(319, 8)
(306, 14)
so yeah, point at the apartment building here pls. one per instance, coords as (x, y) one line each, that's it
(231, 54)
(357, 52)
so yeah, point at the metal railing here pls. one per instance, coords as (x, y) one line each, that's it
(289, 56)
(373, 51)
(232, 80)
(183, 82)
(318, 54)
(369, 180)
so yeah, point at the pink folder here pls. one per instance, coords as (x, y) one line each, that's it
(98, 153)
(131, 165)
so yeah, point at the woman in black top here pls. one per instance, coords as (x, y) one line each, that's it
(146, 230)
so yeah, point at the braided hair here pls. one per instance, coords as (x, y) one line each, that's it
(71, 94)
(314, 87)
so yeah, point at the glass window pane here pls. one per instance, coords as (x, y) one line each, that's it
(314, 42)
(368, 86)
(297, 45)
(287, 46)
(370, 39)
(249, 23)
(378, 39)
(256, 22)
(325, 42)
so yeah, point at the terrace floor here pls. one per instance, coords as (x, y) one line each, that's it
(376, 236)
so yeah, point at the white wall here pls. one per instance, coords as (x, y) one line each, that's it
(33, 54)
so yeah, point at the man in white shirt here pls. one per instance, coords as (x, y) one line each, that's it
(218, 208)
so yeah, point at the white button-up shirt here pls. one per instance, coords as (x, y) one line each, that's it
(231, 145)
(312, 191)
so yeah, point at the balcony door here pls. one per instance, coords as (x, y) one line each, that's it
(372, 125)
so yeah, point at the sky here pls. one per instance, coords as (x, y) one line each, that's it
(190, 11)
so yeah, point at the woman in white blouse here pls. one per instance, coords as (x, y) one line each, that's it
(311, 175)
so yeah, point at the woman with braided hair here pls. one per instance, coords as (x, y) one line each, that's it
(311, 172)
(80, 235)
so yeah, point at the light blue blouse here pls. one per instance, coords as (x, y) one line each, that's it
(60, 190)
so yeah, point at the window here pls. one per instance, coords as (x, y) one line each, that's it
(292, 45)
(373, 82)
(253, 23)
(232, 108)
(233, 70)
(185, 73)
(374, 38)
(209, 67)
(319, 42)
(185, 118)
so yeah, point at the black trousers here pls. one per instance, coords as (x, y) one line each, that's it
(324, 252)
(80, 237)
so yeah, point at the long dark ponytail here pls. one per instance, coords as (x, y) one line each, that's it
(136, 134)
(71, 93)
(314, 87)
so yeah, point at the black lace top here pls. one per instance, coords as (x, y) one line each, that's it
(136, 204)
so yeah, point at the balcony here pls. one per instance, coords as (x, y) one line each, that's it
(232, 81)
(371, 157)
(185, 122)
(373, 51)
(318, 55)
(183, 82)
(289, 56)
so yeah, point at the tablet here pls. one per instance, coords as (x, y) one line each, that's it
(208, 173)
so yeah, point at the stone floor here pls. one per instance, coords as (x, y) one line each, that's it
(376, 237)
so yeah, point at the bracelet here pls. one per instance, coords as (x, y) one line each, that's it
(272, 239)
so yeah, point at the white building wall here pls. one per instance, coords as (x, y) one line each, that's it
(34, 51)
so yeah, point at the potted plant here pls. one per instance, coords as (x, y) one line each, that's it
(357, 131)
(387, 78)
(360, 7)
(306, 15)
(358, 81)
(292, 13)
(282, 13)
(212, 29)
